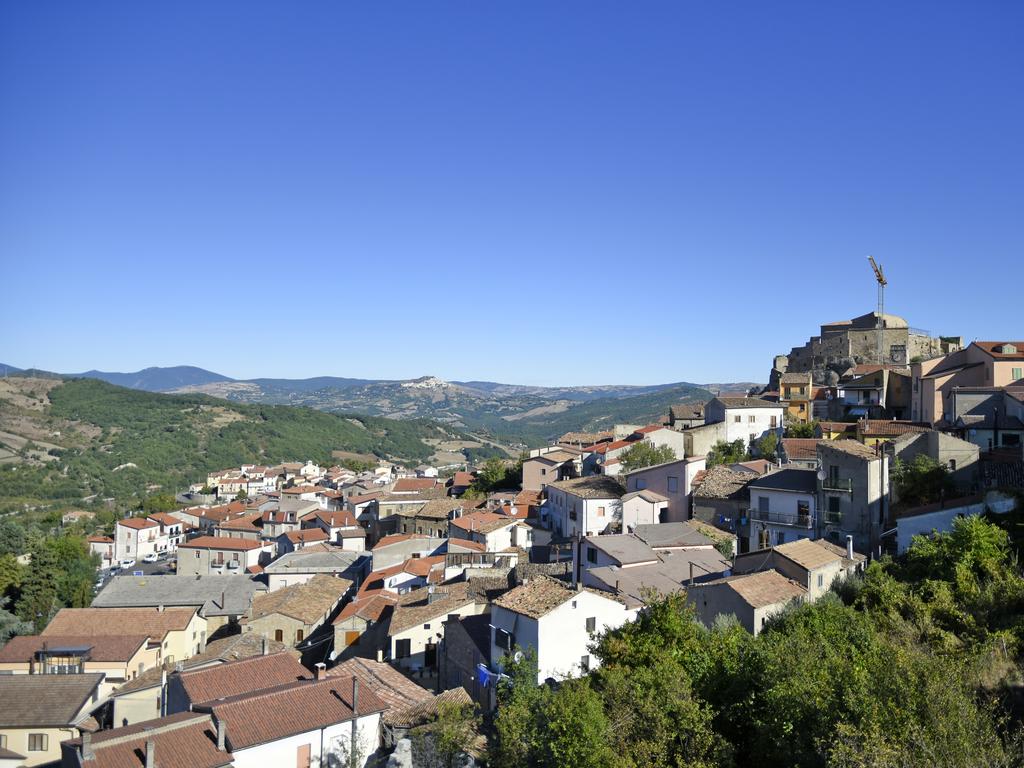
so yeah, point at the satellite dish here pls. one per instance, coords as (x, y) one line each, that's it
(517, 656)
(822, 474)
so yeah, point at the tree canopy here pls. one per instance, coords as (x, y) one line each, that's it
(644, 454)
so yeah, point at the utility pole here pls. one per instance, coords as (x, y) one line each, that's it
(879, 322)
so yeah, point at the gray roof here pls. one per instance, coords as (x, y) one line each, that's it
(647, 495)
(665, 535)
(592, 487)
(795, 480)
(316, 560)
(38, 701)
(670, 574)
(215, 595)
(747, 402)
(624, 547)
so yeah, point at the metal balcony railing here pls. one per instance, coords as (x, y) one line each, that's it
(833, 518)
(837, 484)
(783, 518)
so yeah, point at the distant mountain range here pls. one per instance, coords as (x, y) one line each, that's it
(511, 413)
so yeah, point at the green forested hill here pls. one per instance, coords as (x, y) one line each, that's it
(86, 437)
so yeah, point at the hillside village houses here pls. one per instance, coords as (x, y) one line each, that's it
(353, 600)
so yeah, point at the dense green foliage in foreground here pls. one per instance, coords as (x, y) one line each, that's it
(172, 440)
(909, 666)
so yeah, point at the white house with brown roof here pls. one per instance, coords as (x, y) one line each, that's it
(557, 622)
(416, 627)
(585, 505)
(104, 547)
(136, 537)
(497, 532)
(672, 480)
(745, 418)
(217, 554)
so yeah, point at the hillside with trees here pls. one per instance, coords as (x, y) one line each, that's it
(77, 441)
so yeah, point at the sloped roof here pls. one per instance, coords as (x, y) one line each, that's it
(722, 482)
(416, 607)
(592, 487)
(800, 448)
(537, 598)
(291, 709)
(393, 688)
(38, 701)
(808, 554)
(243, 676)
(152, 622)
(220, 542)
(623, 547)
(307, 602)
(790, 479)
(671, 535)
(117, 648)
(484, 522)
(138, 523)
(747, 402)
(851, 448)
(214, 594)
(762, 589)
(180, 740)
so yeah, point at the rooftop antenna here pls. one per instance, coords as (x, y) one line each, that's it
(879, 323)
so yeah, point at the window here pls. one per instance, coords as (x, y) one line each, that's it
(753, 437)
(821, 579)
(197, 555)
(751, 419)
(803, 508)
(585, 663)
(1016, 373)
(426, 626)
(403, 648)
(38, 742)
(833, 503)
(302, 756)
(279, 635)
(762, 504)
(591, 555)
(673, 485)
(780, 538)
(299, 635)
(3, 741)
(737, 419)
(592, 624)
(543, 471)
(504, 640)
(952, 465)
(640, 483)
(775, 419)
(802, 409)
(600, 511)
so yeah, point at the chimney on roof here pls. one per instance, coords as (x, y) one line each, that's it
(221, 736)
(380, 655)
(320, 670)
(355, 695)
(150, 753)
(266, 645)
(87, 753)
(849, 547)
(160, 608)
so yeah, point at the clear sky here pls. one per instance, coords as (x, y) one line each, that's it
(531, 192)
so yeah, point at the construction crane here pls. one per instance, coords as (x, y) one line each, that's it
(879, 321)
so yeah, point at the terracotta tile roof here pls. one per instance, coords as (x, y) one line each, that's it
(361, 499)
(414, 484)
(165, 519)
(92, 622)
(463, 479)
(807, 554)
(883, 427)
(425, 711)
(592, 487)
(220, 542)
(138, 523)
(648, 429)
(37, 701)
(837, 426)
(298, 490)
(416, 607)
(850, 447)
(457, 545)
(23, 648)
(435, 509)
(421, 566)
(483, 522)
(306, 535)
(994, 348)
(308, 602)
(184, 740)
(687, 411)
(247, 522)
(604, 448)
(339, 519)
(249, 675)
(230, 648)
(100, 540)
(795, 378)
(291, 709)
(585, 438)
(722, 482)
(800, 448)
(393, 688)
(369, 606)
(538, 597)
(529, 498)
(763, 588)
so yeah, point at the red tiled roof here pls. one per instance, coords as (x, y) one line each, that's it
(462, 479)
(990, 348)
(220, 542)
(414, 484)
(368, 606)
(23, 648)
(152, 622)
(482, 522)
(185, 739)
(603, 448)
(138, 523)
(648, 429)
(396, 538)
(339, 519)
(165, 518)
(232, 678)
(300, 489)
(800, 448)
(291, 709)
(360, 499)
(306, 534)
(101, 539)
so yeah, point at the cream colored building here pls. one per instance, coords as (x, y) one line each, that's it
(38, 712)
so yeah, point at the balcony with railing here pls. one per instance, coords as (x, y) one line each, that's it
(837, 484)
(783, 518)
(833, 518)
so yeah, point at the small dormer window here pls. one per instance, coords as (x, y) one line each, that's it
(1005, 349)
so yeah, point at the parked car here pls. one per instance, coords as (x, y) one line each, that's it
(152, 557)
(127, 563)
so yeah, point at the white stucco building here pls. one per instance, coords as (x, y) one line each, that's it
(745, 418)
(585, 505)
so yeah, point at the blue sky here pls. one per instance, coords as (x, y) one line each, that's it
(534, 192)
